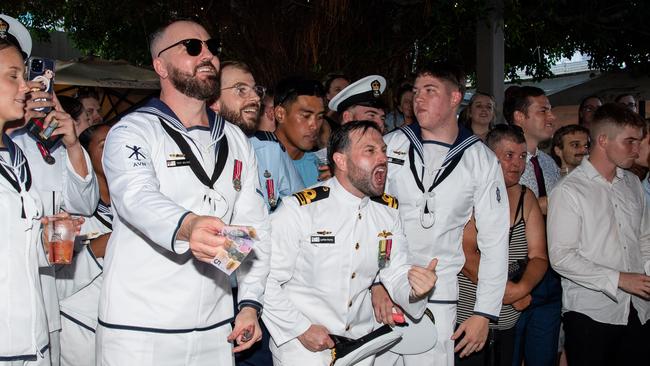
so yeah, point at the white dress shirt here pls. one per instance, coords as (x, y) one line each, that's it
(596, 230)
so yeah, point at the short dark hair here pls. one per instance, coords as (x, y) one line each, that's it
(446, 71)
(502, 132)
(87, 135)
(517, 99)
(617, 115)
(71, 106)
(340, 138)
(237, 65)
(330, 77)
(7, 43)
(289, 89)
(84, 92)
(558, 136)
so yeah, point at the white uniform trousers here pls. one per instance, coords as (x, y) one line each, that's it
(293, 353)
(442, 354)
(117, 347)
(40, 361)
(77, 344)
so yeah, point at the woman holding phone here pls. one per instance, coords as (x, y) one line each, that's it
(23, 327)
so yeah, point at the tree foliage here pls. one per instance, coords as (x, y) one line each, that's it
(358, 37)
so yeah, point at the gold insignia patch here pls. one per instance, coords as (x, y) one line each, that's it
(312, 195)
(397, 152)
(384, 234)
(323, 232)
(386, 199)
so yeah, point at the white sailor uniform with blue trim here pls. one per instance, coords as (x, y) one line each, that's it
(434, 220)
(158, 304)
(60, 189)
(278, 175)
(326, 255)
(79, 286)
(24, 328)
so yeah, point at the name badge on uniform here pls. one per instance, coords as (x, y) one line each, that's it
(177, 160)
(395, 160)
(323, 237)
(385, 246)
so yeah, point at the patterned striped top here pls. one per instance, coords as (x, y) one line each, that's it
(517, 249)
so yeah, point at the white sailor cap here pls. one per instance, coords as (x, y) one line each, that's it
(366, 91)
(16, 33)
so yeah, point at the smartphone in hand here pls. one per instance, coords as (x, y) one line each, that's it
(41, 70)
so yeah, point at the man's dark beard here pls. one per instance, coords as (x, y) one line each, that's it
(235, 117)
(189, 85)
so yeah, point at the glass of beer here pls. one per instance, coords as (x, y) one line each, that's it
(60, 234)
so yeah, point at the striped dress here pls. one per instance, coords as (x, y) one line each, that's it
(518, 249)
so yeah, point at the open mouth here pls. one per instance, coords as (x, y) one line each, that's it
(379, 175)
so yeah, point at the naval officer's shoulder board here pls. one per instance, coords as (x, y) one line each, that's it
(386, 200)
(313, 194)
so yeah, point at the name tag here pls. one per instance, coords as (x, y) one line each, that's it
(177, 162)
(322, 239)
(395, 160)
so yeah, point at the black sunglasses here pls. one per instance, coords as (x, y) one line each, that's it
(194, 46)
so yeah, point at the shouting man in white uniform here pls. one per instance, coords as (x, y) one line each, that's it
(177, 172)
(330, 242)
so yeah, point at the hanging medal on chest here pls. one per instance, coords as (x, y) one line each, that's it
(236, 175)
(427, 206)
(270, 189)
(385, 246)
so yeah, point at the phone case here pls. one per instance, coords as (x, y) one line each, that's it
(42, 70)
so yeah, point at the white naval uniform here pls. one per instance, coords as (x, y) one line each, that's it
(79, 285)
(158, 304)
(474, 185)
(59, 188)
(23, 323)
(324, 260)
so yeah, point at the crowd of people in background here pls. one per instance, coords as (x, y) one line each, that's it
(527, 242)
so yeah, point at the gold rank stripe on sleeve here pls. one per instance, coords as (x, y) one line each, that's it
(386, 199)
(312, 195)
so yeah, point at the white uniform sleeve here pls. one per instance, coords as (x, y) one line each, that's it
(492, 213)
(80, 194)
(395, 276)
(281, 317)
(250, 210)
(135, 188)
(564, 246)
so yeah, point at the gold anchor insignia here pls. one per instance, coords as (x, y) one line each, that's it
(384, 234)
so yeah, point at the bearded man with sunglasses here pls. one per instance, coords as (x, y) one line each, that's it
(176, 171)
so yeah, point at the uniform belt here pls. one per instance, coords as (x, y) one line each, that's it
(163, 330)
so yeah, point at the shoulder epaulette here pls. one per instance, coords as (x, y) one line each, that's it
(268, 136)
(310, 195)
(386, 199)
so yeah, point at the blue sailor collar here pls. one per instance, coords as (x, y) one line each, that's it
(158, 108)
(464, 139)
(18, 161)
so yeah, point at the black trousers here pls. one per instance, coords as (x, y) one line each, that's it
(588, 342)
(498, 350)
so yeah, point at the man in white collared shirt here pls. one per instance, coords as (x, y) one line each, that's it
(599, 242)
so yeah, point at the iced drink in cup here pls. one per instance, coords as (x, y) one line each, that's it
(59, 238)
(321, 161)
